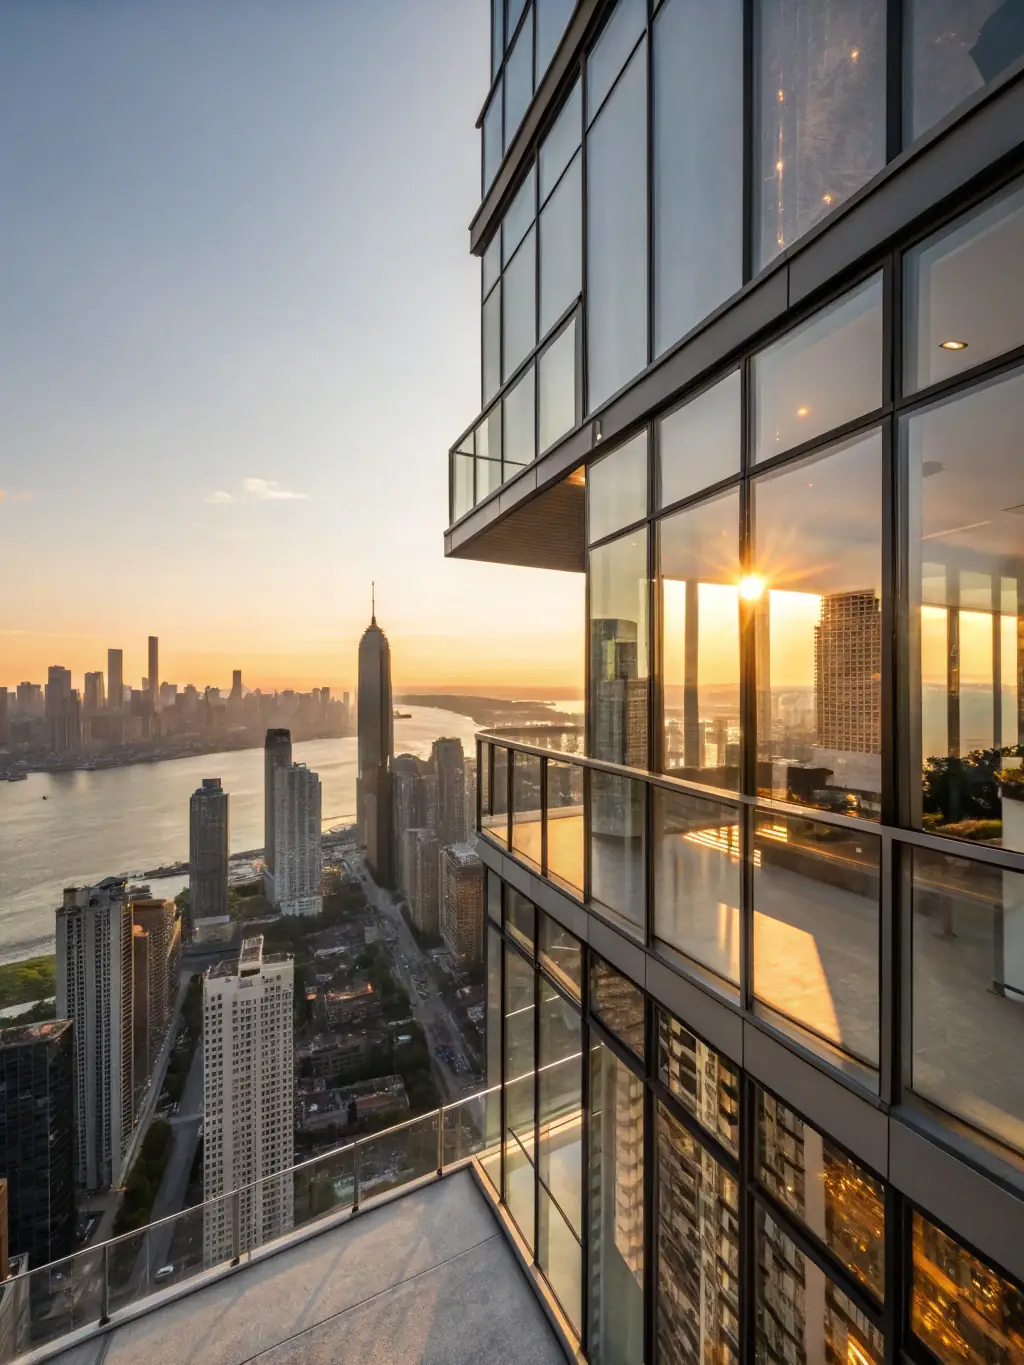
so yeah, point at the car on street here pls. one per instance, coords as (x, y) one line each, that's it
(164, 1273)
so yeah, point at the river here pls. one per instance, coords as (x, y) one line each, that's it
(97, 824)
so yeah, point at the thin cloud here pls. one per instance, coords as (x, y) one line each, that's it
(220, 496)
(7, 496)
(269, 490)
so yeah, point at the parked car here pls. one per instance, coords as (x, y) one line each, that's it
(164, 1273)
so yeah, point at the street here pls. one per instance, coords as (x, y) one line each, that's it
(431, 1012)
(171, 1194)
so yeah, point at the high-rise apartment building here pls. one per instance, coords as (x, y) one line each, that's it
(160, 922)
(409, 801)
(248, 1085)
(295, 887)
(115, 679)
(141, 1023)
(752, 329)
(420, 851)
(277, 753)
(376, 747)
(5, 719)
(208, 855)
(37, 1139)
(63, 711)
(31, 702)
(449, 763)
(153, 680)
(236, 687)
(461, 901)
(94, 991)
(95, 696)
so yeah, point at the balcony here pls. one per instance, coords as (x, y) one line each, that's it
(386, 1260)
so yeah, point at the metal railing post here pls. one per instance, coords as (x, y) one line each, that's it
(236, 1226)
(355, 1178)
(149, 1267)
(440, 1140)
(105, 1287)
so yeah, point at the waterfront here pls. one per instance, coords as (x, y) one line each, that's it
(114, 820)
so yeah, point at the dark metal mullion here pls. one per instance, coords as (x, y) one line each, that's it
(898, 1269)
(729, 1161)
(823, 444)
(510, 789)
(748, 692)
(649, 140)
(503, 1030)
(650, 1195)
(893, 79)
(536, 1096)
(623, 1052)
(543, 818)
(585, 1171)
(888, 979)
(747, 200)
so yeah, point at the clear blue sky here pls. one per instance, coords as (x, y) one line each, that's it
(233, 266)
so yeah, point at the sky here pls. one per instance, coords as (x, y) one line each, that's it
(239, 329)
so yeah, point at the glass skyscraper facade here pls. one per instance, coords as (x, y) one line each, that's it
(752, 340)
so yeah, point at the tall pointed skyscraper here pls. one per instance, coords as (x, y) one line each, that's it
(376, 749)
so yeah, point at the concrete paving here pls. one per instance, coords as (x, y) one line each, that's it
(428, 1278)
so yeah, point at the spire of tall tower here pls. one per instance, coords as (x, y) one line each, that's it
(373, 603)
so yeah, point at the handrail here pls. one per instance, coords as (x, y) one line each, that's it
(321, 1157)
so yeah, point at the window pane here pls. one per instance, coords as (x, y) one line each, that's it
(558, 148)
(492, 139)
(968, 995)
(830, 1193)
(697, 880)
(520, 1184)
(560, 953)
(519, 1055)
(494, 951)
(565, 825)
(557, 379)
(616, 1232)
(617, 1003)
(560, 1084)
(821, 101)
(961, 1308)
(617, 238)
(561, 247)
(493, 888)
(492, 345)
(816, 918)
(617, 846)
(698, 141)
(701, 1079)
(560, 1257)
(817, 604)
(491, 264)
(608, 55)
(515, 9)
(801, 1313)
(617, 489)
(965, 292)
(824, 373)
(488, 478)
(526, 824)
(698, 1251)
(699, 443)
(519, 914)
(519, 424)
(699, 575)
(618, 650)
(518, 219)
(967, 576)
(497, 35)
(518, 79)
(495, 819)
(519, 311)
(462, 485)
(552, 17)
(952, 50)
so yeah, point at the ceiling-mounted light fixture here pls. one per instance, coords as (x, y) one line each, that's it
(952, 345)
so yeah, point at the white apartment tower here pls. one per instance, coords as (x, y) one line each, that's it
(296, 883)
(94, 990)
(248, 1083)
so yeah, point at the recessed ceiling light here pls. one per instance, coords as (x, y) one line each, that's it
(953, 345)
(802, 412)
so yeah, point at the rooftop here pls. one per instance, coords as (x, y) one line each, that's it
(20, 1034)
(427, 1278)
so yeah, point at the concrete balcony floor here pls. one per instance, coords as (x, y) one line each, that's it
(426, 1278)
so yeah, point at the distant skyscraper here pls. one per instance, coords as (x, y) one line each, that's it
(158, 919)
(848, 673)
(37, 1138)
(95, 697)
(277, 753)
(5, 722)
(296, 883)
(208, 853)
(461, 897)
(408, 800)
(63, 711)
(141, 1033)
(31, 704)
(450, 767)
(236, 687)
(421, 849)
(154, 672)
(94, 991)
(248, 1082)
(115, 679)
(376, 747)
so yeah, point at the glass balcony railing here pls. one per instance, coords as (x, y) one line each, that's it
(95, 1285)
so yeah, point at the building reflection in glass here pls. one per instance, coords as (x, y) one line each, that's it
(700, 1078)
(698, 1252)
(618, 1003)
(831, 1194)
(962, 1309)
(803, 1317)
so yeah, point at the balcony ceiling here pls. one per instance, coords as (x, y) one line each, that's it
(546, 532)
